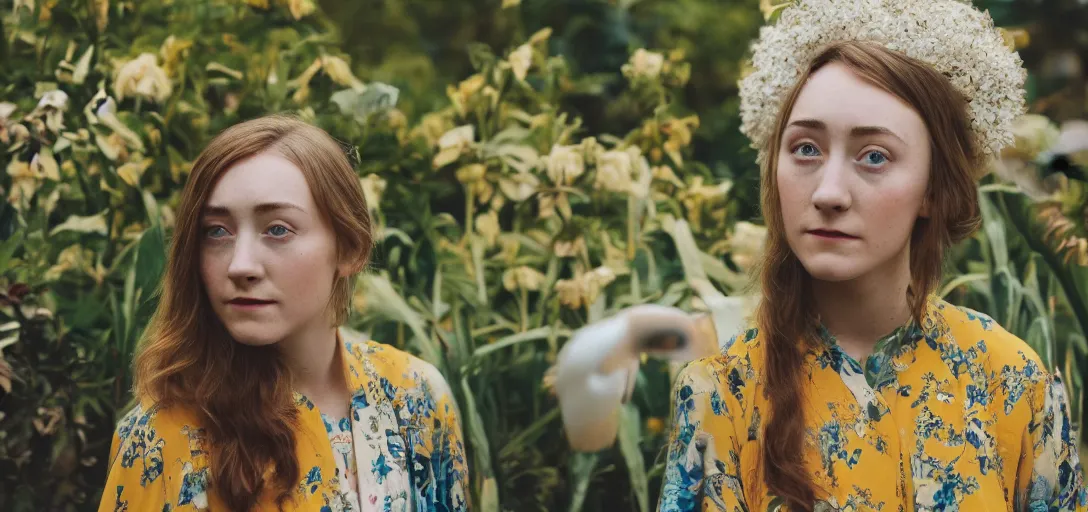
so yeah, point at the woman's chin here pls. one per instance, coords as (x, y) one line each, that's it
(254, 335)
(832, 268)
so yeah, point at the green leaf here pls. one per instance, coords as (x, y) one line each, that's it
(540, 333)
(9, 246)
(581, 470)
(630, 432)
(382, 298)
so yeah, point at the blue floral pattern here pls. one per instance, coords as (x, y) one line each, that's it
(407, 452)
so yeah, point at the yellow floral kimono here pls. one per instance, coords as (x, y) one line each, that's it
(957, 414)
(409, 450)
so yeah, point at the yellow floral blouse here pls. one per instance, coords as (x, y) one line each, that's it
(409, 452)
(957, 414)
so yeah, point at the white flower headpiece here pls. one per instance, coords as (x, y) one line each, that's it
(952, 36)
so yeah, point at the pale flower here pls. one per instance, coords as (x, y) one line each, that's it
(595, 281)
(524, 278)
(521, 60)
(645, 64)
(747, 244)
(565, 164)
(614, 171)
(1032, 134)
(301, 8)
(570, 293)
(584, 289)
(453, 143)
(373, 188)
(52, 105)
(520, 186)
(142, 77)
(569, 248)
(487, 225)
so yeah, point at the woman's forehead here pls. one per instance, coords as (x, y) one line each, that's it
(262, 179)
(841, 101)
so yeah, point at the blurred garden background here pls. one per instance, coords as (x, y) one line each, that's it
(532, 165)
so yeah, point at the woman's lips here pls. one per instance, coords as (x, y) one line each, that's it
(830, 234)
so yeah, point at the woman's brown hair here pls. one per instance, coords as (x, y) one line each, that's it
(242, 395)
(786, 322)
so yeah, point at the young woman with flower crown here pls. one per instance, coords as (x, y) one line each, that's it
(856, 388)
(250, 395)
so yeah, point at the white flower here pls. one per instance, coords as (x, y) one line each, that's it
(452, 143)
(565, 164)
(956, 39)
(614, 171)
(645, 64)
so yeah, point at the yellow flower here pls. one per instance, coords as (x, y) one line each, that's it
(174, 51)
(680, 133)
(565, 164)
(132, 171)
(655, 425)
(373, 188)
(142, 77)
(301, 8)
(465, 91)
(521, 60)
(339, 71)
(524, 278)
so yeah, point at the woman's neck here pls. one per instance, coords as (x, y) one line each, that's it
(861, 311)
(316, 364)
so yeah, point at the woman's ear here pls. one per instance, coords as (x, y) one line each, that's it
(350, 266)
(924, 211)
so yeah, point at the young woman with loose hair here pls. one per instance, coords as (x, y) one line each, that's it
(250, 394)
(856, 388)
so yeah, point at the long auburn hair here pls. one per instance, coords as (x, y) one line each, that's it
(242, 395)
(786, 323)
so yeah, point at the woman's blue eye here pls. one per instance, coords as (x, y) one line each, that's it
(215, 232)
(806, 150)
(278, 231)
(875, 158)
